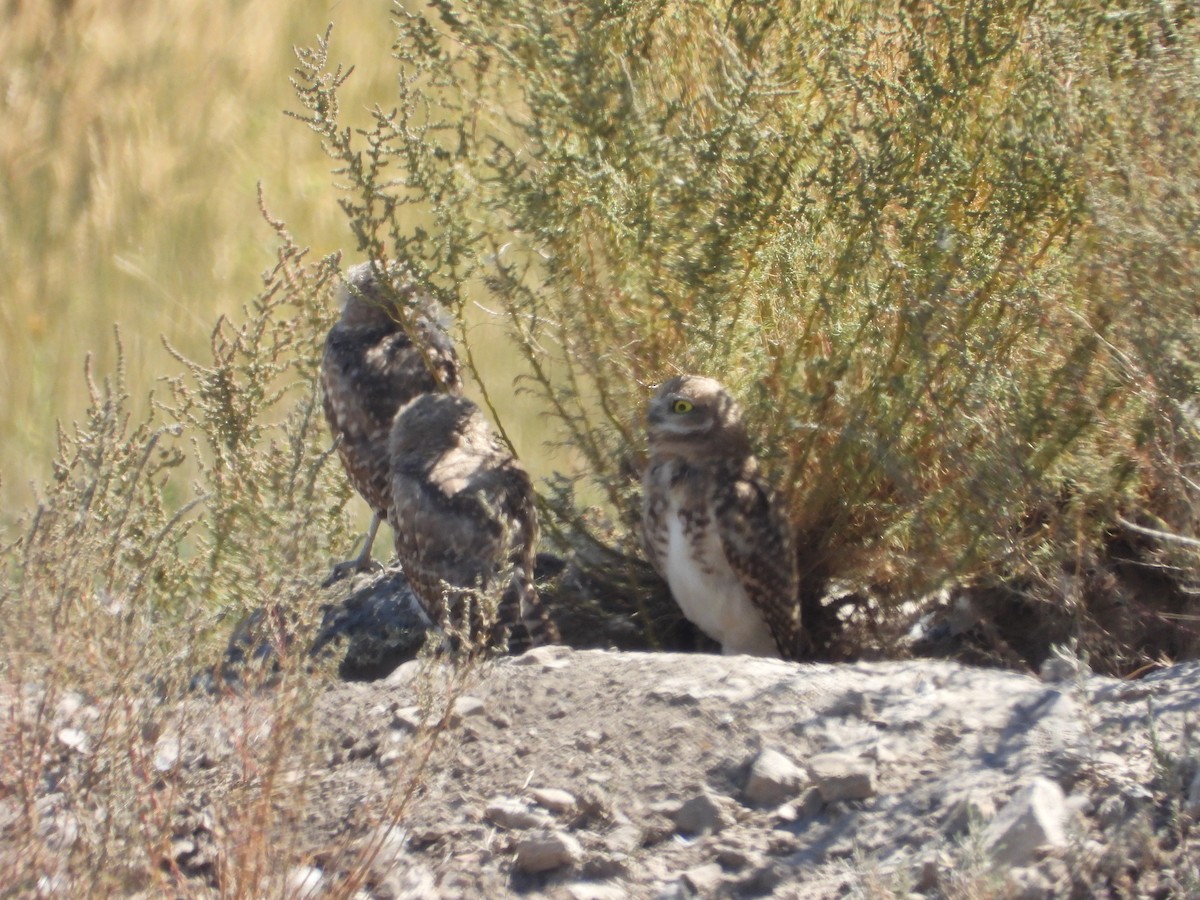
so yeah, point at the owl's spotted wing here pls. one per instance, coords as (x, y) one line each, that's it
(758, 545)
(359, 400)
(655, 503)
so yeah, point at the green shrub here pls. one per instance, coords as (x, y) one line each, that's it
(939, 250)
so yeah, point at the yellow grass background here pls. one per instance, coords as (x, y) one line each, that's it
(134, 136)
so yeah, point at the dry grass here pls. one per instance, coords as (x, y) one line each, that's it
(135, 136)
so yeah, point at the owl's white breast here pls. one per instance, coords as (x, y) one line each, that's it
(709, 592)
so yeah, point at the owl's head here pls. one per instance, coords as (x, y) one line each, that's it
(694, 417)
(374, 295)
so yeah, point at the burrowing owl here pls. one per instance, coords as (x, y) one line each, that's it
(712, 526)
(388, 347)
(463, 513)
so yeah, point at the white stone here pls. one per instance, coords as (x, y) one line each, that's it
(700, 815)
(773, 779)
(509, 812)
(166, 753)
(409, 718)
(590, 890)
(547, 850)
(405, 672)
(550, 656)
(553, 799)
(1033, 818)
(73, 739)
(303, 881)
(465, 707)
(705, 879)
(839, 776)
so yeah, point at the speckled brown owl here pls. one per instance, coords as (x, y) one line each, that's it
(462, 509)
(713, 527)
(389, 346)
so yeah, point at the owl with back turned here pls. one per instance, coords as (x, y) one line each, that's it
(465, 522)
(389, 346)
(712, 526)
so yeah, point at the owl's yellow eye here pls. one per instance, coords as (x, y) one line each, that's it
(682, 406)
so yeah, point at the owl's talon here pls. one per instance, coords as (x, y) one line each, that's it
(351, 567)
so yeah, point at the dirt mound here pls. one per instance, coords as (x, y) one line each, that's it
(595, 774)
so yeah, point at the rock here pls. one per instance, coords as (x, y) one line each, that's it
(413, 718)
(409, 718)
(380, 625)
(548, 657)
(59, 830)
(404, 673)
(73, 739)
(773, 779)
(68, 705)
(547, 850)
(181, 847)
(303, 881)
(587, 890)
(166, 753)
(56, 885)
(704, 880)
(840, 776)
(553, 799)
(465, 707)
(625, 838)
(734, 854)
(1033, 818)
(413, 881)
(700, 815)
(509, 812)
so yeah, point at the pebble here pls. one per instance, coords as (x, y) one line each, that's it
(553, 799)
(552, 656)
(705, 879)
(1033, 818)
(625, 838)
(73, 739)
(773, 779)
(408, 718)
(166, 753)
(465, 707)
(547, 850)
(509, 812)
(303, 881)
(840, 776)
(588, 890)
(700, 815)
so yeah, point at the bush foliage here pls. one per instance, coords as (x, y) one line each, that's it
(944, 252)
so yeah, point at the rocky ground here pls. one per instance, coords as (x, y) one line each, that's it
(597, 774)
(594, 774)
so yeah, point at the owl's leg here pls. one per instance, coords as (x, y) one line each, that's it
(361, 563)
(523, 619)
